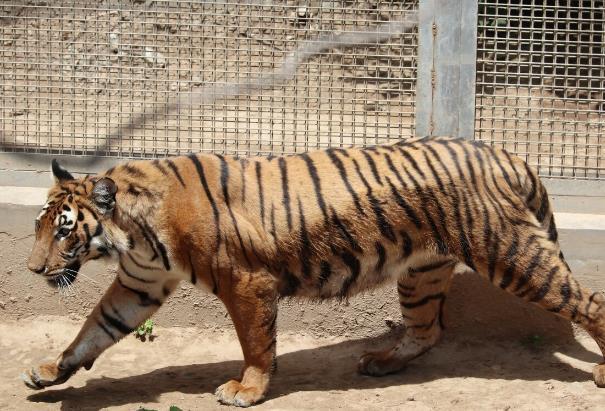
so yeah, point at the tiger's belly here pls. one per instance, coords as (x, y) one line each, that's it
(345, 276)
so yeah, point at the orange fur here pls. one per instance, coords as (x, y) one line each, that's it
(326, 224)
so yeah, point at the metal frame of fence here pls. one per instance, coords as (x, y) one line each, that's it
(527, 75)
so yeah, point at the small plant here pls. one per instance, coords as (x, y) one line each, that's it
(145, 330)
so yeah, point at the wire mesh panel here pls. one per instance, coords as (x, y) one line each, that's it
(541, 83)
(72, 71)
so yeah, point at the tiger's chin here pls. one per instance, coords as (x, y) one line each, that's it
(65, 276)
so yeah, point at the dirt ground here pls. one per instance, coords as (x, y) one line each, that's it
(183, 366)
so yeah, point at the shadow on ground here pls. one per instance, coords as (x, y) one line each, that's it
(332, 368)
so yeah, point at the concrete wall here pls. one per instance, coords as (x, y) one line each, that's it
(474, 306)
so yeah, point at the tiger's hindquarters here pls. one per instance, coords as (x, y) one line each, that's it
(540, 275)
(568, 299)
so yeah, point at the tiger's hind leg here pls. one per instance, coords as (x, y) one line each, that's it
(422, 293)
(540, 275)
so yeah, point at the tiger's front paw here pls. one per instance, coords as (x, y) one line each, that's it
(235, 393)
(45, 375)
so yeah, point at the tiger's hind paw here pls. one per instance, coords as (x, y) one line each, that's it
(377, 364)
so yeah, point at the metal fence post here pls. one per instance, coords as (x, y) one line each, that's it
(445, 102)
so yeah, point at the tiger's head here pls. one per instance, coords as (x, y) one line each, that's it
(74, 226)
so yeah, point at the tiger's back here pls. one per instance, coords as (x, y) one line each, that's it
(335, 222)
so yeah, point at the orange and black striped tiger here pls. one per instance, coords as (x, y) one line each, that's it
(326, 224)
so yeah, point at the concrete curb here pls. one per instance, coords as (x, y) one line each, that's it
(36, 196)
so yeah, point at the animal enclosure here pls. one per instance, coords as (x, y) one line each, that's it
(72, 72)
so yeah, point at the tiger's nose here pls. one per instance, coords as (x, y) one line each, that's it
(38, 269)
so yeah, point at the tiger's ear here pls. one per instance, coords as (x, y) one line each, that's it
(60, 173)
(103, 195)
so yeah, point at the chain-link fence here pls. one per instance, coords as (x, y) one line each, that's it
(72, 71)
(541, 83)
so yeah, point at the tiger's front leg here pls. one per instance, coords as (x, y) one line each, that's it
(251, 300)
(126, 304)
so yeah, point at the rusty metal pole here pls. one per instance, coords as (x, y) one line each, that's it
(447, 54)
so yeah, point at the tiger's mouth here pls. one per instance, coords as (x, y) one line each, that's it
(64, 276)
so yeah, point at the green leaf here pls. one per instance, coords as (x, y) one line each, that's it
(148, 326)
(174, 408)
(145, 328)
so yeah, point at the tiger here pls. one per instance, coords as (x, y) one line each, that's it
(324, 224)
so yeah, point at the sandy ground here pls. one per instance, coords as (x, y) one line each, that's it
(183, 366)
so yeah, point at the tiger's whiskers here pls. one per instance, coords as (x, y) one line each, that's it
(74, 273)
